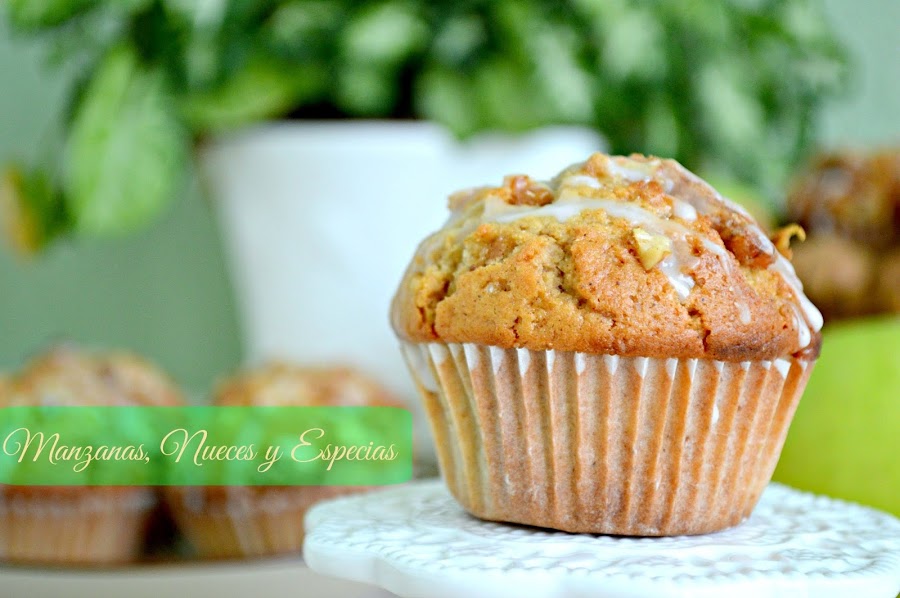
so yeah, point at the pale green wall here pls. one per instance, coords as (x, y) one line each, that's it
(871, 113)
(165, 292)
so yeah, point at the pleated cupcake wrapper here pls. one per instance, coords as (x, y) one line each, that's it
(605, 444)
(92, 527)
(238, 522)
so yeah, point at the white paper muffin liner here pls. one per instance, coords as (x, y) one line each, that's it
(238, 522)
(93, 526)
(605, 444)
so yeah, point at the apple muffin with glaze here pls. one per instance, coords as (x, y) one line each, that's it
(619, 350)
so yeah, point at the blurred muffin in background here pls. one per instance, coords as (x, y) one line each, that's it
(837, 273)
(855, 196)
(888, 286)
(248, 521)
(80, 525)
(849, 204)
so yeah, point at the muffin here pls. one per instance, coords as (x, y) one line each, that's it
(250, 521)
(617, 351)
(852, 194)
(849, 204)
(840, 274)
(80, 525)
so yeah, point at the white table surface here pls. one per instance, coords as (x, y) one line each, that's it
(258, 579)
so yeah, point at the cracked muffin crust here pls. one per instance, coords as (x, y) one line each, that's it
(631, 256)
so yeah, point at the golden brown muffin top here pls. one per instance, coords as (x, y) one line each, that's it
(618, 255)
(282, 384)
(70, 377)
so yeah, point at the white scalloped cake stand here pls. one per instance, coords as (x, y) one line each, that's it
(416, 541)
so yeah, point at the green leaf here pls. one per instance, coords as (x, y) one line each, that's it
(33, 15)
(732, 85)
(126, 151)
(459, 39)
(31, 211)
(443, 95)
(508, 97)
(366, 90)
(262, 89)
(385, 33)
(301, 29)
(37, 14)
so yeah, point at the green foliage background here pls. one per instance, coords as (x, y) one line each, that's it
(730, 87)
(164, 291)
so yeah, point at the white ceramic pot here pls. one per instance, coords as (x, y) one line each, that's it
(320, 219)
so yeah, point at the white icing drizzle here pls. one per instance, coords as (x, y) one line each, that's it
(804, 330)
(581, 179)
(684, 210)
(811, 314)
(630, 170)
(681, 282)
(495, 208)
(569, 205)
(704, 204)
(560, 210)
(808, 319)
(694, 197)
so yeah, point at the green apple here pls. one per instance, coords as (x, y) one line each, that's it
(845, 438)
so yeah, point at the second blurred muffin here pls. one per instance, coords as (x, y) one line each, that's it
(849, 204)
(236, 521)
